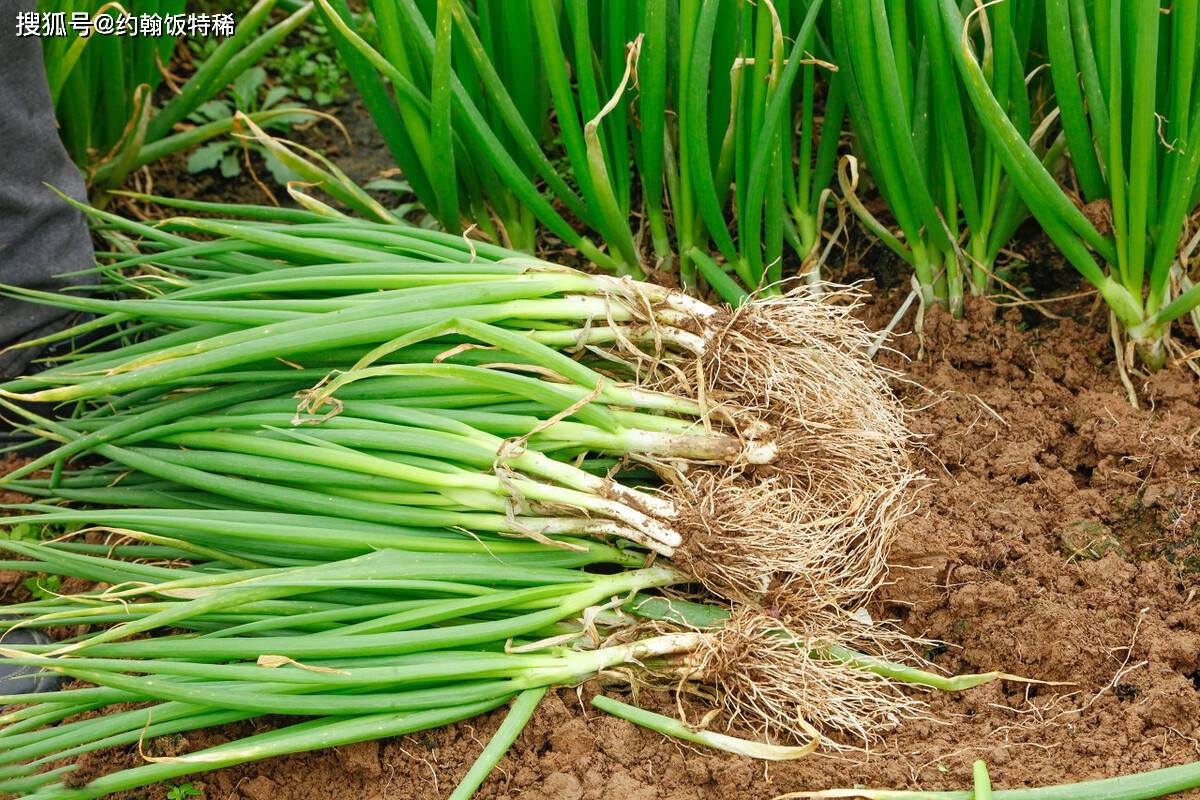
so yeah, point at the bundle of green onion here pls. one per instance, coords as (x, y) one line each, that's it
(389, 478)
(390, 642)
(412, 344)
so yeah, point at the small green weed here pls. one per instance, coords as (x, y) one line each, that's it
(43, 587)
(309, 64)
(21, 532)
(249, 93)
(183, 791)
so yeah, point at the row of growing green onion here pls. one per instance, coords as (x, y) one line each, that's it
(1124, 76)
(701, 137)
(388, 479)
(104, 87)
(697, 102)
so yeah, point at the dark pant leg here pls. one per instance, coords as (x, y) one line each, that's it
(40, 235)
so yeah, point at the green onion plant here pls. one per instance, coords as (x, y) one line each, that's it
(1136, 786)
(105, 88)
(1124, 77)
(355, 311)
(381, 644)
(938, 171)
(643, 135)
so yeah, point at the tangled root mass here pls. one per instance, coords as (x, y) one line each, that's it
(774, 680)
(821, 517)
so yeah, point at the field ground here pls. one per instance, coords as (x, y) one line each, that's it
(1058, 537)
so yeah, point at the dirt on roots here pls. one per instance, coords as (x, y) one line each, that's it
(1058, 538)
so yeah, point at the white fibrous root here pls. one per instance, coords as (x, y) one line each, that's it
(826, 479)
(774, 679)
(778, 538)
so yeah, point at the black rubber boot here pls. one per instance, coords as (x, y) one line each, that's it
(41, 236)
(26, 680)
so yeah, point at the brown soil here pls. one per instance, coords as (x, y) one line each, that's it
(1059, 538)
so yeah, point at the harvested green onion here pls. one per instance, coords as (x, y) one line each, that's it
(734, 390)
(379, 474)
